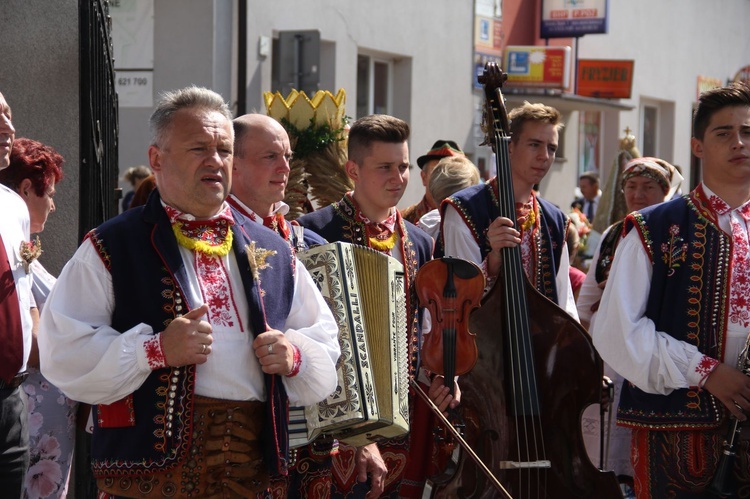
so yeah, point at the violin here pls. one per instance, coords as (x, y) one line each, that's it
(450, 288)
(536, 371)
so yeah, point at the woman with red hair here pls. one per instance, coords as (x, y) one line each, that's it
(33, 172)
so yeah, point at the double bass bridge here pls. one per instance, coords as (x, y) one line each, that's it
(518, 465)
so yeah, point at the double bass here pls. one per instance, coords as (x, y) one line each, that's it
(535, 373)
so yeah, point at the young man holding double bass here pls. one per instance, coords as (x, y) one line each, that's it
(472, 229)
(536, 370)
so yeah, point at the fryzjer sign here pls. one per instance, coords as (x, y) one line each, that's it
(605, 78)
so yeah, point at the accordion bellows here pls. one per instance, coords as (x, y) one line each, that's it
(365, 291)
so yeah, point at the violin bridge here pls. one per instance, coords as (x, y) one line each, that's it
(517, 465)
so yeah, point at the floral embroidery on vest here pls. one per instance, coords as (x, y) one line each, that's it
(674, 252)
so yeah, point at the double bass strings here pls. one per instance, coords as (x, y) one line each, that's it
(523, 374)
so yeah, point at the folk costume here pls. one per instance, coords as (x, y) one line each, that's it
(157, 427)
(468, 214)
(309, 466)
(404, 457)
(618, 459)
(684, 269)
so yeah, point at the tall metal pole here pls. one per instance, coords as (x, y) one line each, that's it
(241, 57)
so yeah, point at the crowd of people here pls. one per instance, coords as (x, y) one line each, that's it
(189, 324)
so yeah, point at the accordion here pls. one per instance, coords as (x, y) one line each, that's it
(365, 291)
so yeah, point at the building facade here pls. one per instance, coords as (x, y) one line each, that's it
(416, 60)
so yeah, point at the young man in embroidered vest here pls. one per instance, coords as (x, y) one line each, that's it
(188, 325)
(379, 167)
(15, 323)
(674, 315)
(440, 149)
(472, 229)
(259, 178)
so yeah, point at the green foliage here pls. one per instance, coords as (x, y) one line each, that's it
(312, 139)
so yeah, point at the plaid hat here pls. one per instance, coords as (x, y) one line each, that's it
(440, 149)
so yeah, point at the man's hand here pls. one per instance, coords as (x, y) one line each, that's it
(732, 388)
(440, 395)
(187, 340)
(369, 460)
(275, 353)
(500, 234)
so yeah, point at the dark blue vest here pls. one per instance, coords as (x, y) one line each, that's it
(148, 276)
(478, 206)
(688, 300)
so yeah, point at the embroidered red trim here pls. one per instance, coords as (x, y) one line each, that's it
(296, 364)
(705, 367)
(155, 353)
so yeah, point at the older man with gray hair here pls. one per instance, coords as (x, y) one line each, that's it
(189, 327)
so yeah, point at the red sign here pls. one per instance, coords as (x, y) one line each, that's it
(605, 78)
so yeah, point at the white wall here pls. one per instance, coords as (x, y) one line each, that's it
(432, 37)
(430, 41)
(671, 41)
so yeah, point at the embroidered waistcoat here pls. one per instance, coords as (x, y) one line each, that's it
(141, 253)
(478, 206)
(338, 222)
(688, 299)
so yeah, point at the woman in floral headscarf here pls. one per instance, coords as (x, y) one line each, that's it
(644, 182)
(33, 172)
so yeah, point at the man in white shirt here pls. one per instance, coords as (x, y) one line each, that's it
(674, 315)
(16, 323)
(189, 326)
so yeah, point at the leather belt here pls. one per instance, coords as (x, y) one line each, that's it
(224, 461)
(15, 382)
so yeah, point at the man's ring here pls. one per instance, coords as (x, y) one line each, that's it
(270, 348)
(203, 348)
(738, 406)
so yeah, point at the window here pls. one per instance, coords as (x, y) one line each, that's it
(374, 86)
(589, 132)
(649, 130)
